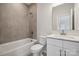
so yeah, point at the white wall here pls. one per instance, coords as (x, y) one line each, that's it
(44, 18)
(56, 4)
(76, 16)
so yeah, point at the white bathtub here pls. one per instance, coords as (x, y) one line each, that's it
(17, 48)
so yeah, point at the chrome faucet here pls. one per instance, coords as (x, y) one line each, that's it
(63, 32)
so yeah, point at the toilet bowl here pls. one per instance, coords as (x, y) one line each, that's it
(36, 49)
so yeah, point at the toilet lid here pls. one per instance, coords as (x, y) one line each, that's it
(36, 47)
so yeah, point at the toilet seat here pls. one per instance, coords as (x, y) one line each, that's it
(36, 47)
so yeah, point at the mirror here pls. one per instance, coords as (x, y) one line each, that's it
(63, 17)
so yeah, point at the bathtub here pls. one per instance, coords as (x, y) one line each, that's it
(17, 48)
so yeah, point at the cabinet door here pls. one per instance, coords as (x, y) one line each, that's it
(56, 42)
(70, 52)
(53, 50)
(71, 48)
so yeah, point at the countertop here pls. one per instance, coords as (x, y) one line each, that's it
(64, 37)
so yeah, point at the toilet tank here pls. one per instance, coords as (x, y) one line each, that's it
(42, 40)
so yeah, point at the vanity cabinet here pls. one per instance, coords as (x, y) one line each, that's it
(54, 47)
(59, 47)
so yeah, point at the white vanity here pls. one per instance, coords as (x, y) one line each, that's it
(62, 45)
(65, 19)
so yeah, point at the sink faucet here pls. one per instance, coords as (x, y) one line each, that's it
(63, 32)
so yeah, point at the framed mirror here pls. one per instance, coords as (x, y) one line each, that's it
(63, 17)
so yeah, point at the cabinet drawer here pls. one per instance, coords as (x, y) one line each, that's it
(55, 42)
(70, 45)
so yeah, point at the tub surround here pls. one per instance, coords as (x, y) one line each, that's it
(33, 20)
(14, 22)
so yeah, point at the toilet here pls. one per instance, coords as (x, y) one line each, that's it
(36, 49)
